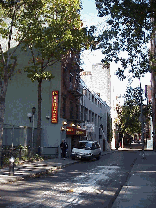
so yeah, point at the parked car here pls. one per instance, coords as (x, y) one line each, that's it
(86, 150)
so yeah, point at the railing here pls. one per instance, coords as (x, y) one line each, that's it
(49, 152)
(75, 89)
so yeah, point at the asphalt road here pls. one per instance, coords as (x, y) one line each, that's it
(87, 184)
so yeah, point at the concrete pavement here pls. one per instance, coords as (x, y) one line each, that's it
(138, 191)
(140, 188)
(35, 169)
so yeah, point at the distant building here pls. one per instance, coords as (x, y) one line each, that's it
(148, 93)
(99, 81)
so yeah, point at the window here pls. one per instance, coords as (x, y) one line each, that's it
(95, 101)
(89, 95)
(71, 110)
(82, 113)
(86, 114)
(97, 145)
(77, 112)
(95, 119)
(92, 117)
(64, 107)
(93, 98)
(85, 92)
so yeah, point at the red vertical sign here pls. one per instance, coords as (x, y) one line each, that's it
(54, 112)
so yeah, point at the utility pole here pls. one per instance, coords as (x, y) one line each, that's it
(142, 124)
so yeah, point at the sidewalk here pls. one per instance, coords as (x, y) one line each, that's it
(32, 170)
(140, 189)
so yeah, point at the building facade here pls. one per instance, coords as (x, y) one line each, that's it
(62, 111)
(94, 113)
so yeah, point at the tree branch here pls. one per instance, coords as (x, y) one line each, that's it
(12, 69)
(49, 63)
(3, 58)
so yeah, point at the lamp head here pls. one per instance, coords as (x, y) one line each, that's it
(33, 110)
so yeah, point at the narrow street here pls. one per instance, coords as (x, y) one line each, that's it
(85, 184)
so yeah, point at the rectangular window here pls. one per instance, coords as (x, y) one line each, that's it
(93, 98)
(96, 119)
(92, 117)
(95, 101)
(77, 112)
(64, 107)
(85, 92)
(71, 110)
(86, 114)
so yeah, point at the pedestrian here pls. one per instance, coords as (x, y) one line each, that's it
(64, 147)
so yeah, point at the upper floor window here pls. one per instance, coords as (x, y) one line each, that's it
(93, 98)
(85, 92)
(95, 101)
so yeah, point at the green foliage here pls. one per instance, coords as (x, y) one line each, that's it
(128, 120)
(51, 29)
(129, 29)
(39, 76)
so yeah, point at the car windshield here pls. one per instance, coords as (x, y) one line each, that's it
(84, 145)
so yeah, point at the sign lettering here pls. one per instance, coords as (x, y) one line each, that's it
(54, 116)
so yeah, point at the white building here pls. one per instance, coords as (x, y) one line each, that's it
(99, 81)
(94, 112)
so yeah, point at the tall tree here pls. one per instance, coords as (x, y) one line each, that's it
(131, 25)
(10, 12)
(128, 119)
(129, 30)
(55, 30)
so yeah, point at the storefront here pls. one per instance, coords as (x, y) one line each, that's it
(73, 136)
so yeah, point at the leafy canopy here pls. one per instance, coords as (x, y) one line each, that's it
(50, 27)
(129, 29)
(52, 30)
(129, 114)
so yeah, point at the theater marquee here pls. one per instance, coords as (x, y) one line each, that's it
(54, 112)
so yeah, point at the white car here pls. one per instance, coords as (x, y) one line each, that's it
(86, 150)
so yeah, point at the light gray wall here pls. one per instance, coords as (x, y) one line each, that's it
(22, 96)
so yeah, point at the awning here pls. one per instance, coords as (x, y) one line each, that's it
(75, 131)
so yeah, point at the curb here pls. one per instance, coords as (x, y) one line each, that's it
(45, 171)
(38, 174)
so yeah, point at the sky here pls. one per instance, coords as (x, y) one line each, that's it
(89, 17)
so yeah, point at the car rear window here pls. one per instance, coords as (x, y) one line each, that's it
(84, 145)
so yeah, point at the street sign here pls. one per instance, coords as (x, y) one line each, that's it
(90, 126)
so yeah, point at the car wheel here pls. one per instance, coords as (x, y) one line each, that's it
(91, 158)
(98, 157)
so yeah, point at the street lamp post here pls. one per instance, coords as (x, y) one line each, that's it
(142, 124)
(33, 113)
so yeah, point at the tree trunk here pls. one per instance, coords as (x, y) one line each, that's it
(39, 115)
(3, 90)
